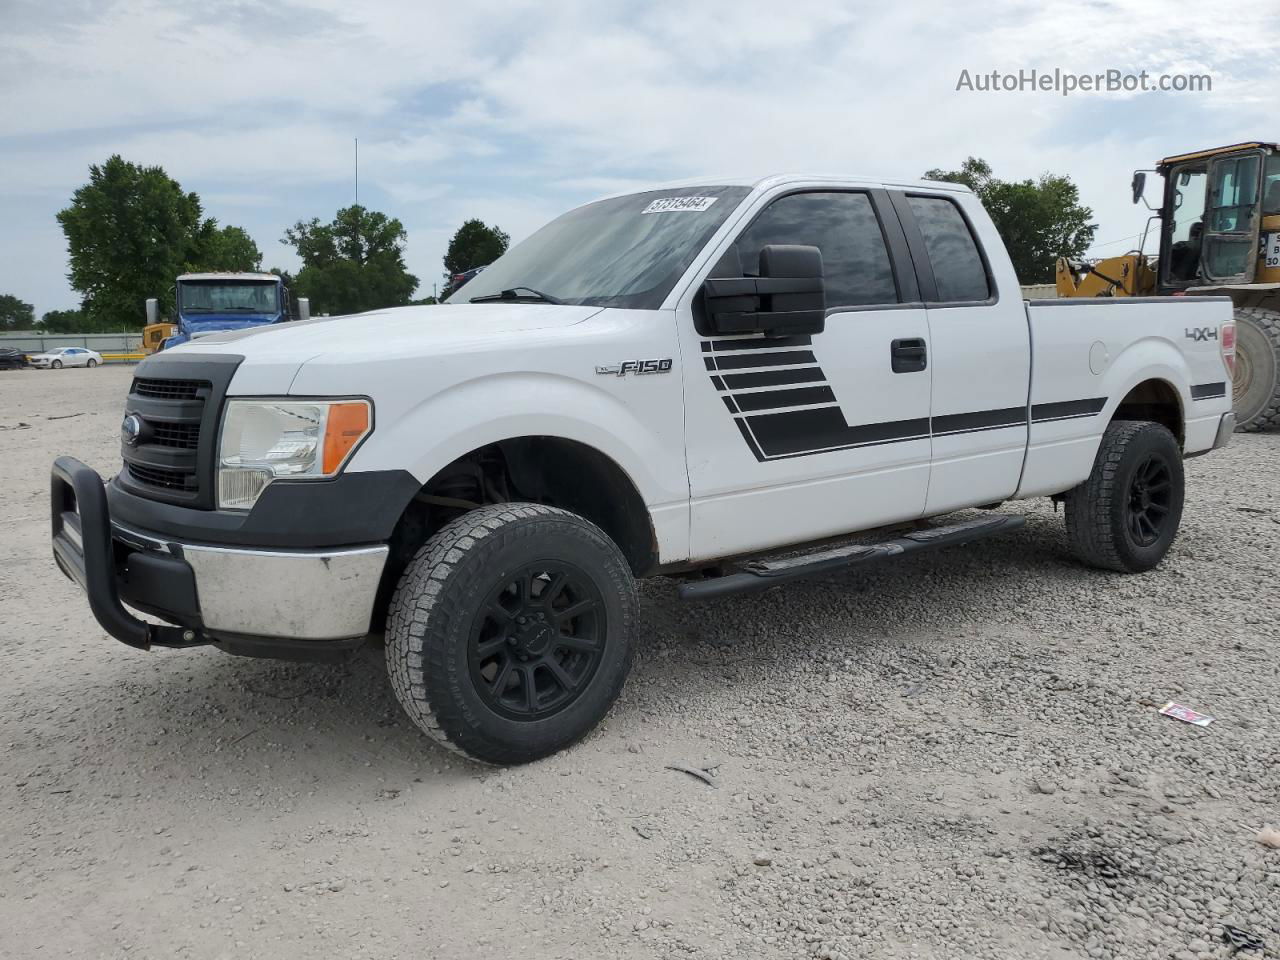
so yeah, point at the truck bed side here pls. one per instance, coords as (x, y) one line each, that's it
(1089, 355)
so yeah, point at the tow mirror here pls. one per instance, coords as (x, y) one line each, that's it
(1139, 184)
(304, 308)
(788, 298)
(153, 311)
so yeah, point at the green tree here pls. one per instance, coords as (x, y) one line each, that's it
(353, 264)
(1039, 220)
(224, 248)
(63, 321)
(474, 245)
(129, 231)
(16, 314)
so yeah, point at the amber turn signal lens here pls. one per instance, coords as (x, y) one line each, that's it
(345, 426)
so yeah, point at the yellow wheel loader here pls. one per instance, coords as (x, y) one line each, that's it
(1219, 225)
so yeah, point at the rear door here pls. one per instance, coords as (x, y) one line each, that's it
(980, 349)
(796, 438)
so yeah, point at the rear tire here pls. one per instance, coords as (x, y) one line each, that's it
(1126, 515)
(509, 636)
(1256, 385)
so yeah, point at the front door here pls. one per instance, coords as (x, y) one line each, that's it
(796, 438)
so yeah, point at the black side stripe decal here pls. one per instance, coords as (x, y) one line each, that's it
(1208, 391)
(770, 378)
(824, 428)
(981, 420)
(749, 358)
(808, 419)
(1067, 409)
(761, 343)
(773, 399)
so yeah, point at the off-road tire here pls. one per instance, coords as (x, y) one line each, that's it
(441, 598)
(1257, 382)
(1098, 518)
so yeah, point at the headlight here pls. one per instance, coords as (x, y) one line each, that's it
(265, 440)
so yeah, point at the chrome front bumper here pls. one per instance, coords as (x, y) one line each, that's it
(293, 594)
(258, 601)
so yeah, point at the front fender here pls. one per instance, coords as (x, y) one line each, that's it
(490, 408)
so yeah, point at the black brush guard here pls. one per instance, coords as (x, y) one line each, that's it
(82, 547)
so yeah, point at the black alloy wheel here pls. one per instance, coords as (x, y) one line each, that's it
(537, 641)
(1150, 500)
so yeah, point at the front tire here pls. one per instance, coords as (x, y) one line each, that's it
(92, 363)
(1126, 515)
(510, 634)
(57, 364)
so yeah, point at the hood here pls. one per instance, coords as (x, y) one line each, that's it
(274, 353)
(197, 322)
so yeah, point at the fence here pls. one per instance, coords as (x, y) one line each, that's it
(113, 346)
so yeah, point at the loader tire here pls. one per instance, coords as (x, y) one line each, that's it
(1257, 376)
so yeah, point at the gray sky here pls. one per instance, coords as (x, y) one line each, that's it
(514, 111)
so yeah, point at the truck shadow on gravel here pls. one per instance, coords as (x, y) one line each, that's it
(299, 712)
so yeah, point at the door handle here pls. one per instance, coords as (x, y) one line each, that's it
(909, 355)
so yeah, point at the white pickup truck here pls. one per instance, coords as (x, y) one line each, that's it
(732, 383)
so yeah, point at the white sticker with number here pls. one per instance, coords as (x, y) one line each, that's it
(1271, 249)
(679, 204)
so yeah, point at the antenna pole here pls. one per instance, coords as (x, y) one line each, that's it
(357, 139)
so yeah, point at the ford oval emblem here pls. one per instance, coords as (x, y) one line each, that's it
(131, 429)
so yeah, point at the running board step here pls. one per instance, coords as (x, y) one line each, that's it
(770, 572)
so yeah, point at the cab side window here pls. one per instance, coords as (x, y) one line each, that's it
(844, 227)
(958, 270)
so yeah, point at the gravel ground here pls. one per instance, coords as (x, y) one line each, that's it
(957, 756)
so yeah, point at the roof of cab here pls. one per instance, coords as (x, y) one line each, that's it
(228, 275)
(784, 179)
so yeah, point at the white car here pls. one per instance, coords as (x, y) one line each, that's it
(60, 357)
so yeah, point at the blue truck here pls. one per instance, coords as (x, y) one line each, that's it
(212, 302)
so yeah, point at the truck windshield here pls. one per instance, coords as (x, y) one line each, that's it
(623, 252)
(227, 296)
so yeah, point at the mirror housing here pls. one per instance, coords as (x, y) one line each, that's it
(1139, 184)
(788, 298)
(153, 311)
(304, 308)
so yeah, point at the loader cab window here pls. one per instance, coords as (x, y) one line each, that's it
(1187, 193)
(1271, 187)
(1230, 245)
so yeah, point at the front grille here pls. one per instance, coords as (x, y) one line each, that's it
(183, 436)
(166, 479)
(167, 389)
(178, 398)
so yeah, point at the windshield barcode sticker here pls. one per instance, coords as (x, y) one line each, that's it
(674, 204)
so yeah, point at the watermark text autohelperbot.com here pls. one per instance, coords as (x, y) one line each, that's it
(1065, 83)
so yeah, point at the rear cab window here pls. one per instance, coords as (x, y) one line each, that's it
(959, 271)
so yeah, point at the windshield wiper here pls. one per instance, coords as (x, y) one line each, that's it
(513, 293)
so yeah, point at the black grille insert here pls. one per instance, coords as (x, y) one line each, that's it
(166, 389)
(184, 436)
(163, 478)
